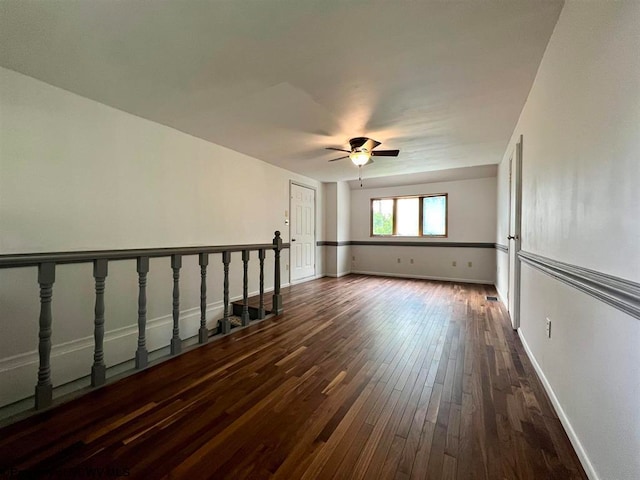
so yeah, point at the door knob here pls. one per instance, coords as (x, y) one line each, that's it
(512, 237)
(293, 239)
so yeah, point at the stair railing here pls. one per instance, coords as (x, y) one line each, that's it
(47, 262)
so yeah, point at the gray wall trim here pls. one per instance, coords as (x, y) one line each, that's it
(380, 243)
(618, 292)
(387, 243)
(497, 246)
(502, 248)
(332, 243)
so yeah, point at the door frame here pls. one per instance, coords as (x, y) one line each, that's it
(315, 240)
(514, 234)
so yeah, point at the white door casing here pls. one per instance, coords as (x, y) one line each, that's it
(302, 232)
(515, 237)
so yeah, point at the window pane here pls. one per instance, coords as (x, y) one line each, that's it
(382, 217)
(434, 215)
(408, 211)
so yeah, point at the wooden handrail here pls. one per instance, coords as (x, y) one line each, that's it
(85, 256)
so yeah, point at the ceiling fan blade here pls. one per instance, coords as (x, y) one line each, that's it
(370, 144)
(338, 149)
(339, 158)
(357, 142)
(385, 153)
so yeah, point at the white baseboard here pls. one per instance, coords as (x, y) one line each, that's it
(424, 277)
(501, 297)
(72, 360)
(573, 437)
(303, 280)
(338, 275)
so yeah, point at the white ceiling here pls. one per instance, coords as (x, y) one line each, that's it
(442, 81)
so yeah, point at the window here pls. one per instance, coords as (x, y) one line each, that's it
(382, 216)
(416, 216)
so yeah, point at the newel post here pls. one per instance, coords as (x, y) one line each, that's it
(176, 341)
(99, 369)
(142, 356)
(44, 388)
(203, 333)
(225, 325)
(245, 289)
(277, 298)
(261, 255)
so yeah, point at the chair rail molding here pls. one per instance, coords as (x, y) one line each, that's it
(502, 248)
(405, 243)
(615, 291)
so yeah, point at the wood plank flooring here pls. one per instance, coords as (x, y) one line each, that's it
(360, 378)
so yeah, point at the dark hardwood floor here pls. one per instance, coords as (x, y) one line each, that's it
(360, 378)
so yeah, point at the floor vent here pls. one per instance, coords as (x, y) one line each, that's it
(492, 299)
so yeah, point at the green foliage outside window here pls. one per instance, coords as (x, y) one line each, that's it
(382, 224)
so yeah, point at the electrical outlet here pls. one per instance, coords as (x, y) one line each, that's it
(548, 327)
(398, 260)
(412, 260)
(470, 264)
(287, 266)
(454, 264)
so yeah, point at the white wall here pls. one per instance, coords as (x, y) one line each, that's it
(502, 208)
(337, 228)
(330, 228)
(344, 229)
(343, 212)
(581, 205)
(78, 175)
(472, 219)
(330, 211)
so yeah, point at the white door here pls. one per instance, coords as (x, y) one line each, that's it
(302, 232)
(514, 238)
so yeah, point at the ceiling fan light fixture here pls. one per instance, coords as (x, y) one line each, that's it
(360, 158)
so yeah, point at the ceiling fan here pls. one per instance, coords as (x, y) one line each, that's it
(362, 149)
